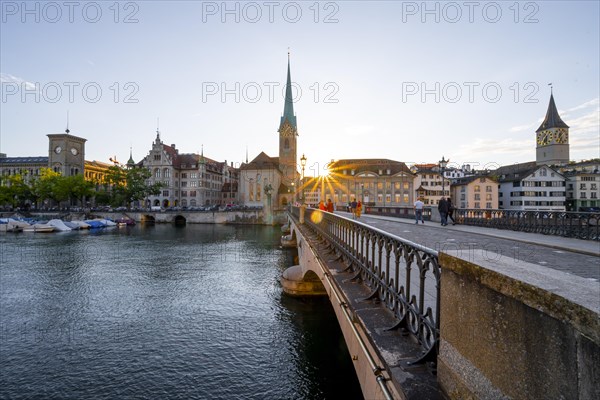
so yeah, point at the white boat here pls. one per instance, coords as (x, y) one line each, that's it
(12, 225)
(58, 225)
(38, 228)
(72, 225)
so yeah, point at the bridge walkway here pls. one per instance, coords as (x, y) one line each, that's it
(572, 256)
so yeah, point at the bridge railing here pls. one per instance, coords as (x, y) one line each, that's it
(581, 225)
(402, 275)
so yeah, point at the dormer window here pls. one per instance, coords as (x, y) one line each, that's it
(352, 172)
(388, 172)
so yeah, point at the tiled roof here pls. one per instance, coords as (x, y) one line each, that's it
(23, 160)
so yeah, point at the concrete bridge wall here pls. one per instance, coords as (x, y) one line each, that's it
(356, 337)
(516, 330)
(509, 329)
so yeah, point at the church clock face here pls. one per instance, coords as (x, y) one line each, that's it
(57, 149)
(561, 136)
(543, 137)
(74, 151)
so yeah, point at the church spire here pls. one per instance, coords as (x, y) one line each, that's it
(552, 119)
(288, 109)
(130, 162)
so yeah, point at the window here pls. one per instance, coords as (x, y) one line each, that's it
(594, 195)
(157, 173)
(165, 193)
(192, 193)
(477, 196)
(488, 196)
(193, 175)
(477, 205)
(286, 144)
(184, 175)
(184, 193)
(488, 205)
(406, 185)
(543, 172)
(582, 186)
(477, 188)
(397, 185)
(167, 173)
(405, 197)
(258, 192)
(157, 157)
(251, 190)
(193, 183)
(184, 184)
(488, 188)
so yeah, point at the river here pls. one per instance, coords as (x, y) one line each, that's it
(192, 312)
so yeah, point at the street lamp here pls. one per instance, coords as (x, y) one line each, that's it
(443, 164)
(303, 164)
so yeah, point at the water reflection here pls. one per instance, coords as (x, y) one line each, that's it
(163, 312)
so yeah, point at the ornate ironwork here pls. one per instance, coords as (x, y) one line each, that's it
(402, 275)
(581, 225)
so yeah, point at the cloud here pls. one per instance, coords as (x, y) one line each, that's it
(591, 103)
(503, 147)
(8, 78)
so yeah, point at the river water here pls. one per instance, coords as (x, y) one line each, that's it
(193, 312)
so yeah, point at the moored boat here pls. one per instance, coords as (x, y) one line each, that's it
(39, 228)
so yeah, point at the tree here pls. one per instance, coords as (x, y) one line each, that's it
(129, 185)
(76, 187)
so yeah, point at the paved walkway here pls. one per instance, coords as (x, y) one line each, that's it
(572, 256)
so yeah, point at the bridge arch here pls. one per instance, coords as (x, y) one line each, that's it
(180, 220)
(148, 219)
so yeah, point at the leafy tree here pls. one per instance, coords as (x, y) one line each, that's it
(129, 185)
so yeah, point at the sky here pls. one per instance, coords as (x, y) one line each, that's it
(402, 80)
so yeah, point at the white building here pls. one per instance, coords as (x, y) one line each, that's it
(529, 186)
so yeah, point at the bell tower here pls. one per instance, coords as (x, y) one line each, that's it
(552, 138)
(288, 133)
(66, 153)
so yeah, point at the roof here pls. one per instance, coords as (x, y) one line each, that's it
(468, 179)
(516, 172)
(262, 161)
(372, 165)
(552, 119)
(23, 160)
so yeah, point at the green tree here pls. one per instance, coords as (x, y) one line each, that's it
(129, 185)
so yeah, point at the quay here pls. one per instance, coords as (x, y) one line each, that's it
(455, 312)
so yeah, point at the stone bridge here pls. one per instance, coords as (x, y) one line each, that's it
(463, 322)
(259, 217)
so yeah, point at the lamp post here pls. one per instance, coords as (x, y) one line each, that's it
(303, 164)
(443, 164)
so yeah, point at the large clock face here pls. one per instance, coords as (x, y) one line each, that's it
(74, 151)
(543, 137)
(57, 149)
(561, 136)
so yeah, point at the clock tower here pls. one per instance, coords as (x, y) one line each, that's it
(552, 138)
(66, 153)
(288, 132)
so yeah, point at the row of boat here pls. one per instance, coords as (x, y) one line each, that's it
(57, 225)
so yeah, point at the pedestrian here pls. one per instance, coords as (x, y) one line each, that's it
(322, 206)
(419, 211)
(329, 206)
(353, 206)
(358, 209)
(451, 210)
(443, 209)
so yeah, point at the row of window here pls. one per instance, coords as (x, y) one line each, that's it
(536, 194)
(536, 203)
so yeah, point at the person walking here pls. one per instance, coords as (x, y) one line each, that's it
(451, 210)
(443, 209)
(358, 209)
(353, 206)
(419, 211)
(322, 206)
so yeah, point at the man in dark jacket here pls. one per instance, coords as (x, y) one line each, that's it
(443, 209)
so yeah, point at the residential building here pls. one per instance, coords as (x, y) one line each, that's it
(529, 186)
(428, 185)
(475, 191)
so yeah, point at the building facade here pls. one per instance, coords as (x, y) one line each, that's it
(188, 180)
(475, 192)
(375, 182)
(529, 186)
(429, 187)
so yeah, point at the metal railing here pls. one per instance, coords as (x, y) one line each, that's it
(581, 225)
(398, 212)
(402, 275)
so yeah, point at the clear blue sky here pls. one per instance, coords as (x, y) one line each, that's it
(369, 73)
